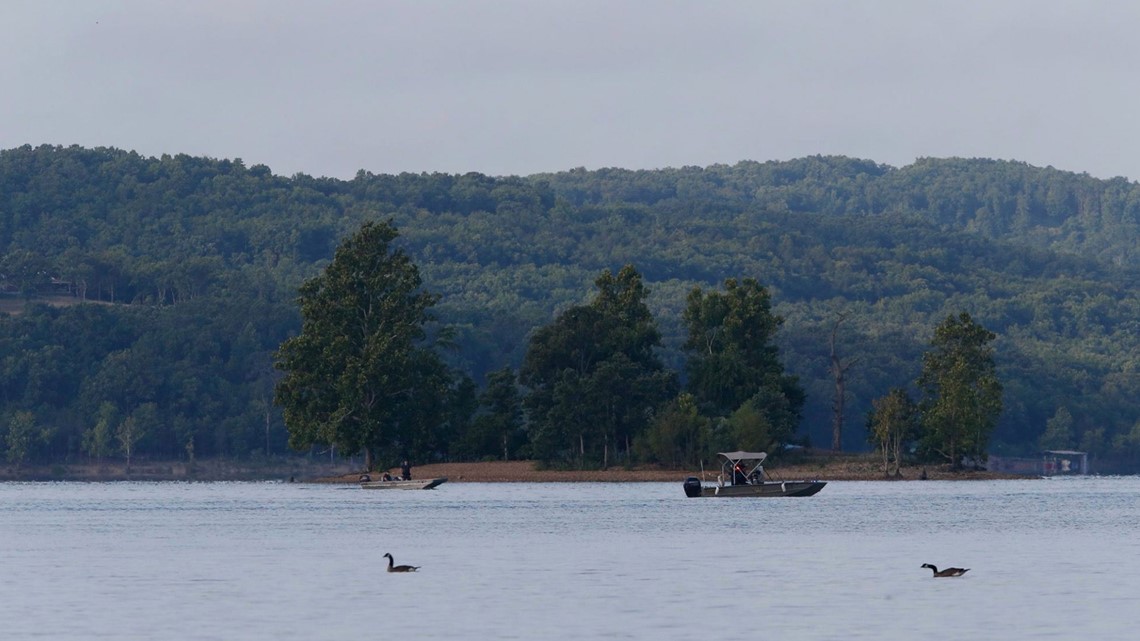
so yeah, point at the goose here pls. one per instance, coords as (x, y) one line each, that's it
(399, 568)
(947, 571)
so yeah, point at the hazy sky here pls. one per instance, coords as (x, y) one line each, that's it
(328, 87)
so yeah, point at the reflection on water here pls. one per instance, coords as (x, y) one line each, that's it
(1050, 558)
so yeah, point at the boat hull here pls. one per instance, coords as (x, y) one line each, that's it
(769, 489)
(414, 484)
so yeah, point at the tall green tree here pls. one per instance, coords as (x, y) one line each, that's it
(732, 361)
(962, 395)
(594, 377)
(498, 428)
(839, 369)
(363, 375)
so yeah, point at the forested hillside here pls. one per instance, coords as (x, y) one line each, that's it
(185, 270)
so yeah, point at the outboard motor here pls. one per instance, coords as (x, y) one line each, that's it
(692, 487)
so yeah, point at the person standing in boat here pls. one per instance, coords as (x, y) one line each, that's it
(406, 470)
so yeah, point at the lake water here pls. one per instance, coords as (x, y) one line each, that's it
(1053, 558)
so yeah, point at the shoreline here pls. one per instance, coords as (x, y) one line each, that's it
(847, 469)
(823, 467)
(284, 469)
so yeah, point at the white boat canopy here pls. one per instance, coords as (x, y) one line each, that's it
(744, 456)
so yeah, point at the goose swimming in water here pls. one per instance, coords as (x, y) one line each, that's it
(399, 568)
(947, 571)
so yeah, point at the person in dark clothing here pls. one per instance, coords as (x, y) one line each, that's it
(406, 470)
(738, 477)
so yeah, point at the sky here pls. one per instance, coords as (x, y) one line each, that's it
(513, 87)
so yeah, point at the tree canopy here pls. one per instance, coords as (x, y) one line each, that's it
(594, 379)
(359, 376)
(170, 280)
(733, 365)
(961, 392)
(892, 422)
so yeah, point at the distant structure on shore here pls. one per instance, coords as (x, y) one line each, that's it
(1050, 463)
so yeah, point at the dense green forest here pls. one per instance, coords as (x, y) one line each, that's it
(180, 279)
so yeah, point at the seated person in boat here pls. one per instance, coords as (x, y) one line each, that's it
(386, 477)
(738, 477)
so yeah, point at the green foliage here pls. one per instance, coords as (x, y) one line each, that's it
(961, 393)
(359, 375)
(460, 404)
(97, 439)
(1058, 431)
(678, 436)
(1094, 441)
(892, 423)
(594, 378)
(21, 436)
(129, 433)
(179, 274)
(26, 271)
(1127, 445)
(498, 430)
(751, 428)
(733, 366)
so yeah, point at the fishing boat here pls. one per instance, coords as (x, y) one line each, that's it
(742, 474)
(367, 483)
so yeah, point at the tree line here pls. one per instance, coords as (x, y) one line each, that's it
(164, 286)
(364, 375)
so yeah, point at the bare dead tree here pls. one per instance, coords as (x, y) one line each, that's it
(839, 371)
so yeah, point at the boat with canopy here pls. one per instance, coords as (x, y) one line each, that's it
(742, 474)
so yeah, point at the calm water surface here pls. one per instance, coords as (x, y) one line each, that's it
(234, 561)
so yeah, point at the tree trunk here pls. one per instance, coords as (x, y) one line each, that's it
(369, 462)
(837, 407)
(606, 452)
(896, 445)
(954, 453)
(838, 369)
